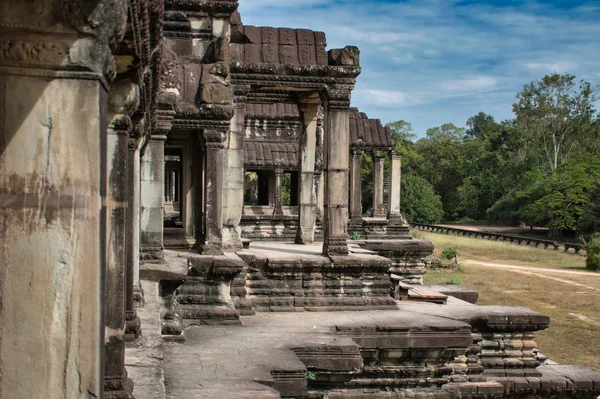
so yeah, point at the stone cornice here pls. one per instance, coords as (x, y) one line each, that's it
(299, 71)
(214, 7)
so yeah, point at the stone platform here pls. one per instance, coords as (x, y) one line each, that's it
(261, 335)
(283, 277)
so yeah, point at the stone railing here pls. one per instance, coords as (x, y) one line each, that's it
(536, 242)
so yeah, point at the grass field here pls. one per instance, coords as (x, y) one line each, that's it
(503, 252)
(572, 301)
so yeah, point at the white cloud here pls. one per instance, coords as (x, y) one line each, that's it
(381, 37)
(388, 98)
(560, 67)
(469, 84)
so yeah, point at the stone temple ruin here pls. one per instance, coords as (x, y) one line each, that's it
(167, 176)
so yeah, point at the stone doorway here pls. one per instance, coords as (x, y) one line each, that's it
(173, 192)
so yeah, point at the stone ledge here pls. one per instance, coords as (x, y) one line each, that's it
(462, 293)
(489, 318)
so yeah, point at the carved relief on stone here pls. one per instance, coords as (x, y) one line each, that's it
(89, 33)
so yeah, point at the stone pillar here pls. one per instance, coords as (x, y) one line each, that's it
(307, 196)
(53, 221)
(356, 188)
(123, 99)
(319, 195)
(211, 243)
(378, 181)
(394, 214)
(278, 211)
(132, 241)
(319, 181)
(336, 154)
(152, 199)
(234, 181)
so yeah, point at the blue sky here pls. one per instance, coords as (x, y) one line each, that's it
(435, 61)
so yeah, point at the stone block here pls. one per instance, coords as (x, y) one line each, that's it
(288, 55)
(287, 37)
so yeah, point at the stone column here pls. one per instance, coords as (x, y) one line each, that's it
(123, 100)
(307, 196)
(53, 221)
(319, 195)
(132, 328)
(211, 243)
(378, 181)
(356, 188)
(278, 211)
(336, 154)
(394, 214)
(319, 165)
(234, 181)
(152, 199)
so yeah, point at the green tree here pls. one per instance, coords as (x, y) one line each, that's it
(442, 158)
(419, 203)
(556, 115)
(560, 200)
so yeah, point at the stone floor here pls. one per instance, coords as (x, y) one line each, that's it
(266, 356)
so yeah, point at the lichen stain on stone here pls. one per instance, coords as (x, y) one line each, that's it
(35, 203)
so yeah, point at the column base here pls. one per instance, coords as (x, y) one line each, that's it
(151, 254)
(336, 245)
(305, 236)
(380, 213)
(132, 326)
(397, 220)
(118, 388)
(209, 249)
(232, 238)
(356, 221)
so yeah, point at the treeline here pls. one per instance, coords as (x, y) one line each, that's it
(541, 168)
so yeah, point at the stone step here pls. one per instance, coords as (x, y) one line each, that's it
(409, 292)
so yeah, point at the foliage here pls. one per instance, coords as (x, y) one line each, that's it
(251, 188)
(355, 235)
(592, 247)
(449, 253)
(454, 281)
(419, 203)
(556, 116)
(559, 200)
(442, 157)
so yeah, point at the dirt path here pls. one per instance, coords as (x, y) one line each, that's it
(539, 272)
(539, 269)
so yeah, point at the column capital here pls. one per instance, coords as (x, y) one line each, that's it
(338, 97)
(158, 138)
(310, 112)
(396, 155)
(357, 153)
(214, 138)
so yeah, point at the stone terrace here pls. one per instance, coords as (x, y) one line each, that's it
(408, 350)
